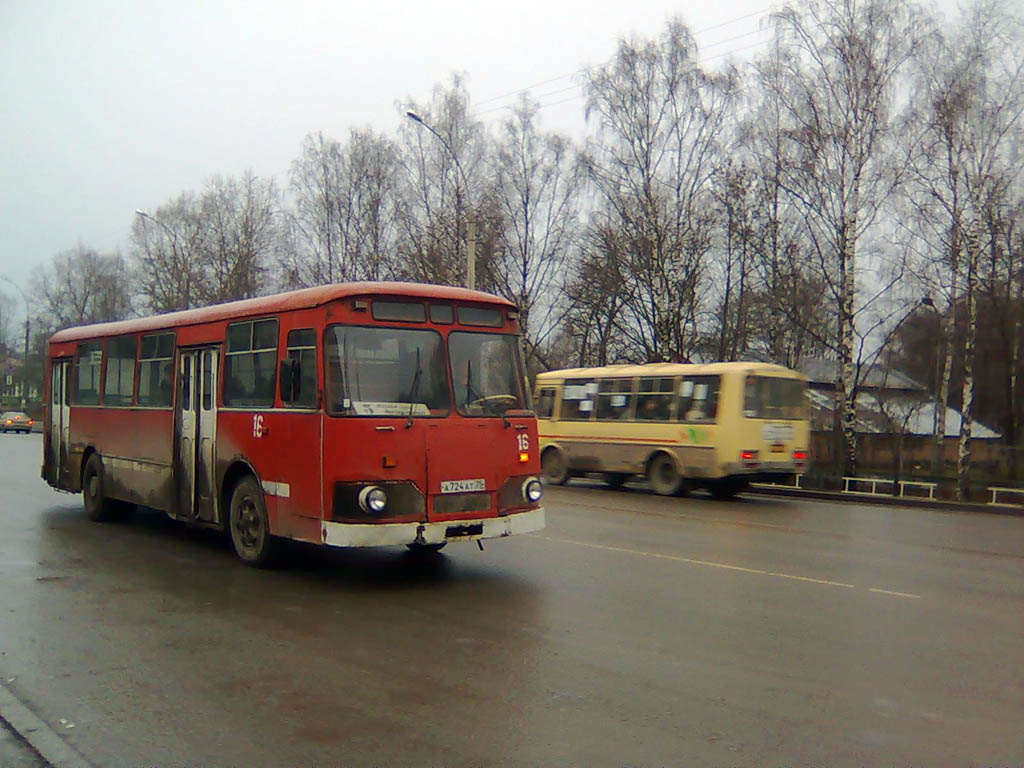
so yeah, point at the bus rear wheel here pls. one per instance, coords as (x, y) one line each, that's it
(250, 526)
(98, 507)
(553, 467)
(663, 475)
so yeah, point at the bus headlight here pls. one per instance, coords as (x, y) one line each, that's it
(532, 490)
(373, 499)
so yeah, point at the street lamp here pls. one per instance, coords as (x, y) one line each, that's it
(24, 362)
(174, 251)
(471, 221)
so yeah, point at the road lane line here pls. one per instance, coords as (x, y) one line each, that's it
(895, 594)
(691, 561)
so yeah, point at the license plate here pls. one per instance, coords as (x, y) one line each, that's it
(461, 486)
(778, 448)
(777, 433)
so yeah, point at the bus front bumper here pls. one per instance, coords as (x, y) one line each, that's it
(396, 534)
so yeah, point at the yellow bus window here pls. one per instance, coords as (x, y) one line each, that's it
(698, 398)
(654, 399)
(614, 399)
(578, 399)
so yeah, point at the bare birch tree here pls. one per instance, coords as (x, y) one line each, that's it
(345, 209)
(537, 194)
(239, 217)
(166, 253)
(837, 65)
(965, 131)
(790, 302)
(82, 286)
(660, 118)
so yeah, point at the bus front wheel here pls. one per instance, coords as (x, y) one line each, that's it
(553, 467)
(250, 527)
(663, 475)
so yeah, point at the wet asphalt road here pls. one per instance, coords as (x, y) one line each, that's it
(633, 631)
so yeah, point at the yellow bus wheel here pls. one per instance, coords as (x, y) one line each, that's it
(554, 467)
(663, 475)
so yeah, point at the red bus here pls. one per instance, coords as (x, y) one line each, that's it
(351, 415)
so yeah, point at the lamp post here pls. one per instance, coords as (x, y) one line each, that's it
(174, 251)
(471, 221)
(24, 362)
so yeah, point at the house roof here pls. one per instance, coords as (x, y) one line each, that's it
(820, 371)
(909, 414)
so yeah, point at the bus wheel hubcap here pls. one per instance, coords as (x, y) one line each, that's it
(249, 524)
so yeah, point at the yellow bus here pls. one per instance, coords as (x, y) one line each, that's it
(718, 426)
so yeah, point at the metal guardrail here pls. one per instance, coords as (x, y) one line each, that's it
(875, 481)
(995, 490)
(930, 487)
(900, 486)
(795, 484)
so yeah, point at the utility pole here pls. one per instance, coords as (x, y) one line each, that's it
(471, 223)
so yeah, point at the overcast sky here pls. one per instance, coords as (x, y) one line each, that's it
(108, 106)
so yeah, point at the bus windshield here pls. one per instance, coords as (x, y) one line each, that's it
(386, 372)
(486, 373)
(770, 397)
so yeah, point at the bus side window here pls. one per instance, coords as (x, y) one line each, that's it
(87, 373)
(250, 364)
(119, 379)
(156, 370)
(654, 399)
(615, 399)
(546, 403)
(698, 398)
(578, 396)
(301, 356)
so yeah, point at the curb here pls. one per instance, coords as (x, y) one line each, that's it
(885, 500)
(41, 737)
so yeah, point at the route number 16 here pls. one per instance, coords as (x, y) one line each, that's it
(524, 442)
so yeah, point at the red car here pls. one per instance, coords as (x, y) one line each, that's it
(15, 421)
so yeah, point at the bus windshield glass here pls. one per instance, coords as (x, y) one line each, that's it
(770, 397)
(386, 372)
(486, 373)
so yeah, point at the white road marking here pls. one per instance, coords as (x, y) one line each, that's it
(724, 566)
(895, 594)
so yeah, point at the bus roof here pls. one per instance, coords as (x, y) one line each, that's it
(668, 369)
(305, 298)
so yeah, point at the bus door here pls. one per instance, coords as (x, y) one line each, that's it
(60, 423)
(195, 422)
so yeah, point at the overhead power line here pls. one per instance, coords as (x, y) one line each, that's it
(526, 89)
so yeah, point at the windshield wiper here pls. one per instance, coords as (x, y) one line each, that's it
(469, 384)
(415, 388)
